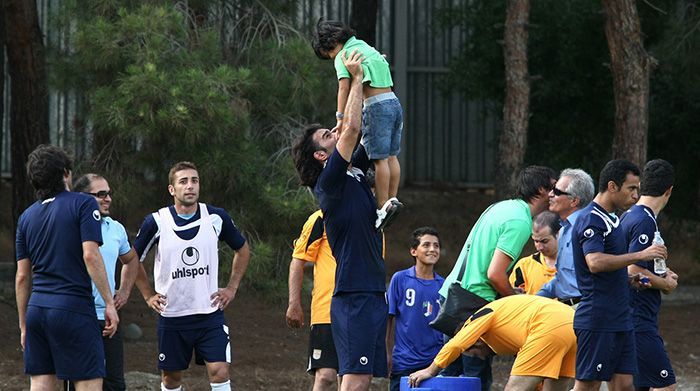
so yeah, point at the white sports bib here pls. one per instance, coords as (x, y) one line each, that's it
(186, 271)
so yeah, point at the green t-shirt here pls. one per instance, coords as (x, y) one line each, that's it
(374, 66)
(506, 225)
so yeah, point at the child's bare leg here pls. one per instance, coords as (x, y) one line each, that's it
(381, 181)
(394, 176)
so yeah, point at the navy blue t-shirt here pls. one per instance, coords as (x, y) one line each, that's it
(349, 211)
(605, 302)
(639, 225)
(149, 235)
(50, 233)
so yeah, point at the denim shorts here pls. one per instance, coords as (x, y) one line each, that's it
(382, 125)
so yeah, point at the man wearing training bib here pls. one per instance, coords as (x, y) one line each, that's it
(187, 296)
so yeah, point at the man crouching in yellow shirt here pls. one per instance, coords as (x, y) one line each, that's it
(539, 330)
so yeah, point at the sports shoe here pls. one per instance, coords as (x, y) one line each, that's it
(387, 213)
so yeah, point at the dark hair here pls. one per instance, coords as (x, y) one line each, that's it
(616, 171)
(532, 179)
(303, 150)
(548, 219)
(420, 232)
(658, 176)
(46, 166)
(83, 184)
(329, 34)
(179, 166)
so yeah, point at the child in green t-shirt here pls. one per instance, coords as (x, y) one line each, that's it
(382, 115)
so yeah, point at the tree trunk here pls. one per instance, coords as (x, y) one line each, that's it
(29, 122)
(516, 108)
(2, 83)
(631, 67)
(363, 18)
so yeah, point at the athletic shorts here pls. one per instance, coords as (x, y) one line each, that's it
(321, 348)
(382, 126)
(604, 353)
(653, 366)
(551, 354)
(175, 347)
(65, 343)
(358, 321)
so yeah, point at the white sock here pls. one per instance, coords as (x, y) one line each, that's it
(225, 386)
(163, 388)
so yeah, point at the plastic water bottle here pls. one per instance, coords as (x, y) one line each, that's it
(659, 263)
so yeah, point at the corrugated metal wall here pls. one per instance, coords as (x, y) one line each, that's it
(67, 126)
(447, 139)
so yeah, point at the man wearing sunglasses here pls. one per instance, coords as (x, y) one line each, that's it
(573, 191)
(115, 246)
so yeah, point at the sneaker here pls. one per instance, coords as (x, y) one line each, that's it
(386, 215)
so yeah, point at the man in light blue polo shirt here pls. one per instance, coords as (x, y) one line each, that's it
(573, 191)
(115, 246)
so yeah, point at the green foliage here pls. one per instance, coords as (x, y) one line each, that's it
(571, 86)
(162, 89)
(675, 103)
(572, 104)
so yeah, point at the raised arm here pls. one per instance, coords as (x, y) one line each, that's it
(343, 92)
(350, 131)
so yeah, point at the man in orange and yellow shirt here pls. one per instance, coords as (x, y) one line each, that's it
(539, 330)
(535, 270)
(312, 246)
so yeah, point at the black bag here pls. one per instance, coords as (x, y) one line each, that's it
(459, 305)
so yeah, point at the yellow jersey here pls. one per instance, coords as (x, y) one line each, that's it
(506, 324)
(530, 273)
(312, 246)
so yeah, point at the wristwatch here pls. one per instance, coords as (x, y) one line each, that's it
(339, 115)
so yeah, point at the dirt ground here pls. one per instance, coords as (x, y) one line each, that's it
(270, 356)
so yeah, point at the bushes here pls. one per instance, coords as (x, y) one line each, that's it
(160, 90)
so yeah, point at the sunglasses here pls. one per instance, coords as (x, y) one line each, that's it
(102, 194)
(558, 192)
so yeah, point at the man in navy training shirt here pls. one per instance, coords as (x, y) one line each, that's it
(186, 269)
(413, 303)
(602, 322)
(325, 162)
(115, 247)
(573, 191)
(57, 246)
(639, 225)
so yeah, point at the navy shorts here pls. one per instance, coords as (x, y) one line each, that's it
(382, 125)
(321, 348)
(600, 354)
(65, 343)
(653, 366)
(175, 347)
(358, 321)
